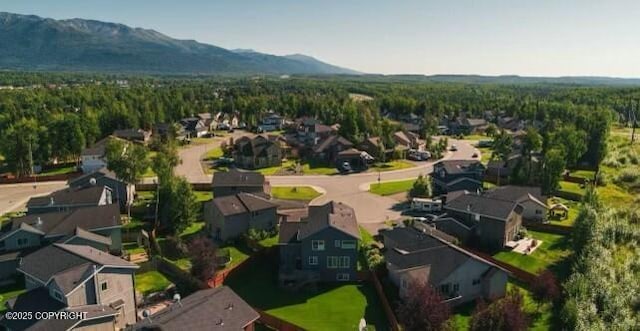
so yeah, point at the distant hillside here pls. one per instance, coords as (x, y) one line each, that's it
(35, 43)
(516, 80)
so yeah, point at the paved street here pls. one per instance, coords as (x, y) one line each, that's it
(15, 196)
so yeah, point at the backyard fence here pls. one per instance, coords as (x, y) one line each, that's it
(550, 228)
(194, 186)
(391, 317)
(219, 278)
(517, 273)
(30, 179)
(568, 195)
(276, 323)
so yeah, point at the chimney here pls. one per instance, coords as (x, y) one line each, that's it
(51, 202)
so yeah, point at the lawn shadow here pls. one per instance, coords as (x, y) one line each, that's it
(374, 313)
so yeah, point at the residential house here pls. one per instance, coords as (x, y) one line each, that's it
(408, 140)
(328, 148)
(357, 159)
(321, 247)
(493, 222)
(94, 157)
(75, 278)
(510, 123)
(500, 171)
(311, 131)
(228, 217)
(465, 125)
(257, 152)
(271, 122)
(170, 131)
(530, 198)
(233, 182)
(71, 198)
(208, 120)
(134, 135)
(211, 309)
(98, 226)
(455, 175)
(414, 256)
(123, 193)
(372, 146)
(194, 127)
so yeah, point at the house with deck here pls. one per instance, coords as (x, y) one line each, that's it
(425, 256)
(320, 247)
(75, 279)
(530, 198)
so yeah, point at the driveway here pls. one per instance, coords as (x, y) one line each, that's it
(15, 196)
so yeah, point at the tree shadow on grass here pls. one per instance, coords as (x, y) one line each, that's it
(374, 313)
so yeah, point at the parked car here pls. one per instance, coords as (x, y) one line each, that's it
(416, 155)
(453, 148)
(345, 167)
(475, 155)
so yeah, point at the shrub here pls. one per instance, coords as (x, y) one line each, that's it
(629, 176)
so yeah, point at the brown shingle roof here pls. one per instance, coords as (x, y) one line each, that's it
(237, 178)
(69, 196)
(241, 203)
(332, 214)
(66, 222)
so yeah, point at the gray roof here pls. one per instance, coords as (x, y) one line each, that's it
(237, 178)
(423, 249)
(330, 215)
(68, 265)
(485, 206)
(241, 203)
(515, 193)
(66, 222)
(288, 231)
(211, 309)
(86, 235)
(36, 300)
(460, 166)
(330, 141)
(69, 196)
(102, 172)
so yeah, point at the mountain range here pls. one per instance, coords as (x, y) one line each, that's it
(34, 43)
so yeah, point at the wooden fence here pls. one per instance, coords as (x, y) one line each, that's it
(547, 227)
(275, 322)
(30, 179)
(568, 195)
(391, 317)
(517, 273)
(194, 186)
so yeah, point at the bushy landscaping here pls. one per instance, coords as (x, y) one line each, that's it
(294, 193)
(393, 187)
(329, 307)
(552, 254)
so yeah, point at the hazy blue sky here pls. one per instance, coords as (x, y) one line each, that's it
(537, 37)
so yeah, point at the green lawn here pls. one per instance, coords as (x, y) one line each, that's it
(540, 319)
(183, 263)
(571, 187)
(389, 188)
(485, 155)
(392, 165)
(615, 196)
(270, 171)
(268, 242)
(192, 229)
(553, 254)
(476, 137)
(9, 292)
(329, 307)
(238, 253)
(574, 208)
(294, 192)
(58, 171)
(151, 281)
(132, 248)
(202, 196)
(201, 141)
(365, 237)
(316, 168)
(586, 174)
(149, 172)
(213, 154)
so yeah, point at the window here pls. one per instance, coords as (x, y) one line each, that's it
(313, 260)
(332, 262)
(104, 286)
(348, 244)
(538, 211)
(317, 245)
(476, 281)
(23, 241)
(342, 277)
(456, 288)
(336, 243)
(344, 262)
(403, 283)
(444, 288)
(58, 295)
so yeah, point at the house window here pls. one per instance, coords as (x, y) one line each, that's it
(332, 262)
(336, 243)
(444, 288)
(403, 283)
(538, 211)
(456, 288)
(313, 260)
(104, 286)
(58, 295)
(23, 242)
(348, 244)
(342, 277)
(317, 245)
(344, 262)
(475, 281)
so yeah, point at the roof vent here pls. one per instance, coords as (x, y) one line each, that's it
(229, 306)
(51, 202)
(39, 221)
(177, 299)
(92, 181)
(220, 322)
(147, 314)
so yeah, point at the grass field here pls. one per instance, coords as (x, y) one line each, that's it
(485, 155)
(586, 174)
(294, 192)
(149, 172)
(571, 187)
(329, 307)
(202, 196)
(389, 188)
(541, 319)
(392, 165)
(151, 281)
(476, 137)
(58, 171)
(574, 208)
(213, 154)
(552, 254)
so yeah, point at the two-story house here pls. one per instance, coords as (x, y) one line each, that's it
(271, 122)
(321, 247)
(415, 256)
(534, 207)
(211, 309)
(233, 182)
(456, 175)
(79, 279)
(134, 135)
(121, 192)
(257, 152)
(194, 127)
(230, 216)
(492, 222)
(71, 198)
(328, 149)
